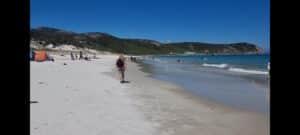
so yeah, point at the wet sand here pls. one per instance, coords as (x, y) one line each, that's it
(172, 110)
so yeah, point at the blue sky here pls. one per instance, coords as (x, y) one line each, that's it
(213, 21)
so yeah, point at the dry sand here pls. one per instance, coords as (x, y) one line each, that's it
(79, 99)
(86, 98)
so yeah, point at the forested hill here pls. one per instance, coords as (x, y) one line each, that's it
(106, 42)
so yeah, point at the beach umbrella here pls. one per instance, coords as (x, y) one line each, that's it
(40, 56)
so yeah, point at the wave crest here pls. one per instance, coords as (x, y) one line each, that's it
(247, 71)
(215, 65)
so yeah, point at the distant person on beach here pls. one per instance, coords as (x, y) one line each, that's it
(80, 55)
(72, 56)
(269, 67)
(121, 65)
(50, 58)
(132, 59)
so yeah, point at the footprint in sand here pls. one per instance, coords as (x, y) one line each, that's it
(42, 83)
(107, 91)
(34, 102)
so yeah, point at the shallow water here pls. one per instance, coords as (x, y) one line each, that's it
(240, 90)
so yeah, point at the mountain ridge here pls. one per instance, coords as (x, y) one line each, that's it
(107, 42)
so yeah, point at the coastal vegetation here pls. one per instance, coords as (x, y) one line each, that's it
(106, 42)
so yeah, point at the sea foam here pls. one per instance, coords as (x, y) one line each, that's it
(215, 65)
(247, 71)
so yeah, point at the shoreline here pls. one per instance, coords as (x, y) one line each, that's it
(147, 68)
(181, 107)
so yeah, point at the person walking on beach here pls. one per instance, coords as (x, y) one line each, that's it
(121, 67)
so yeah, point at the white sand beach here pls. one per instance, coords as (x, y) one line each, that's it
(86, 98)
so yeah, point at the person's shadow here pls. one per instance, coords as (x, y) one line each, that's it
(125, 81)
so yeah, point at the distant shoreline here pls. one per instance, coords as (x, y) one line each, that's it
(199, 54)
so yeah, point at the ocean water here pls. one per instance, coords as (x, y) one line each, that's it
(239, 81)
